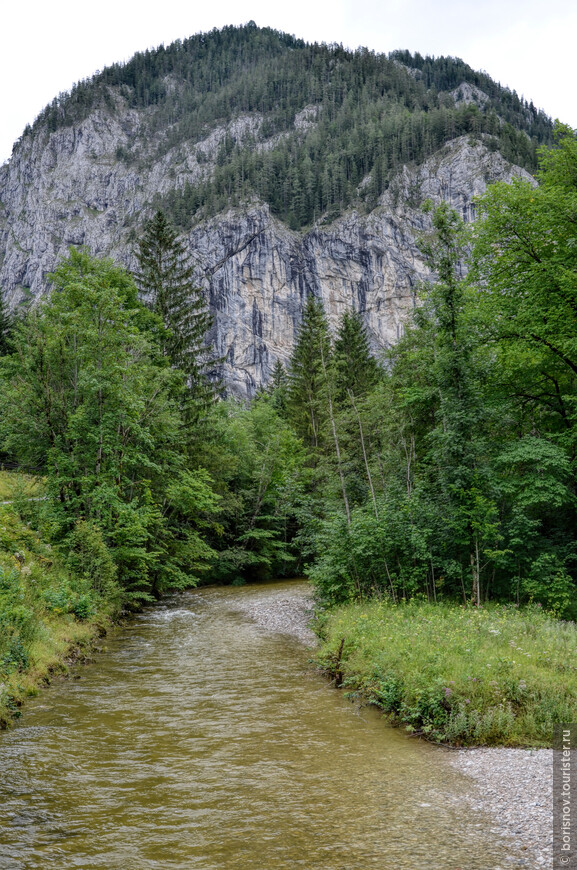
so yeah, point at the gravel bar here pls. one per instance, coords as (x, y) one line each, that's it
(515, 787)
(283, 612)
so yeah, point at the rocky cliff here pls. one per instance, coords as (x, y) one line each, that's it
(71, 187)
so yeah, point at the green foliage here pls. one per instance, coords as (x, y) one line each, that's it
(255, 461)
(165, 280)
(307, 392)
(467, 443)
(88, 396)
(278, 388)
(45, 608)
(66, 599)
(354, 365)
(6, 326)
(191, 510)
(87, 556)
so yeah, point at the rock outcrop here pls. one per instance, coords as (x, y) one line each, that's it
(76, 186)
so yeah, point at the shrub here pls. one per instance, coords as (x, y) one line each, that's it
(89, 557)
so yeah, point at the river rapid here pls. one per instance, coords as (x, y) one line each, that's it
(199, 740)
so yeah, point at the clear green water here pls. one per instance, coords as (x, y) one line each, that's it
(199, 740)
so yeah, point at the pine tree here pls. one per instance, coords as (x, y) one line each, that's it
(165, 280)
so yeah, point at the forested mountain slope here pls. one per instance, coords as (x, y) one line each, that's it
(291, 168)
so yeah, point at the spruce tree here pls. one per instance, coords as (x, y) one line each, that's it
(356, 370)
(278, 387)
(355, 374)
(306, 399)
(165, 280)
(6, 325)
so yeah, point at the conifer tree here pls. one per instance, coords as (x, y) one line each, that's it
(6, 324)
(165, 280)
(310, 399)
(355, 367)
(355, 374)
(307, 379)
(278, 387)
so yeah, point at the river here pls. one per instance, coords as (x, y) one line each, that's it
(200, 741)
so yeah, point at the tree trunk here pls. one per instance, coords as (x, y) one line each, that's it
(368, 470)
(336, 439)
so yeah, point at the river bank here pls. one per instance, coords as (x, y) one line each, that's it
(62, 644)
(516, 787)
(50, 615)
(512, 785)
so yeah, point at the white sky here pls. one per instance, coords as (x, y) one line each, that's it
(527, 45)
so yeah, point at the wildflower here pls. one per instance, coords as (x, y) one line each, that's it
(448, 692)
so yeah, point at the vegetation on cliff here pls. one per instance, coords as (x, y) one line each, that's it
(326, 127)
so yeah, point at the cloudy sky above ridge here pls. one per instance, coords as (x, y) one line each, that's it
(526, 45)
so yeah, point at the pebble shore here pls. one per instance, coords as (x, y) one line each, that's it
(513, 786)
(283, 612)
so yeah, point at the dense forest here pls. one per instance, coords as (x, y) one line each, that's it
(330, 126)
(446, 470)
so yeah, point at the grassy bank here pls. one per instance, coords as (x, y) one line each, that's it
(49, 615)
(493, 675)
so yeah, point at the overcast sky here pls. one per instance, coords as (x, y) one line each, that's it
(47, 46)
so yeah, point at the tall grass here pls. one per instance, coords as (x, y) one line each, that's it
(476, 676)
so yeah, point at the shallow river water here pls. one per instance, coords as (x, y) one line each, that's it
(200, 741)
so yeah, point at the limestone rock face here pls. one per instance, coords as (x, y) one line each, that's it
(74, 187)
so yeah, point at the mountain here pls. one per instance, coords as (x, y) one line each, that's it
(291, 169)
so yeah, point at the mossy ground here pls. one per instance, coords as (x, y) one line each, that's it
(477, 676)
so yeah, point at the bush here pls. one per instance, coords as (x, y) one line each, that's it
(16, 656)
(89, 557)
(549, 583)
